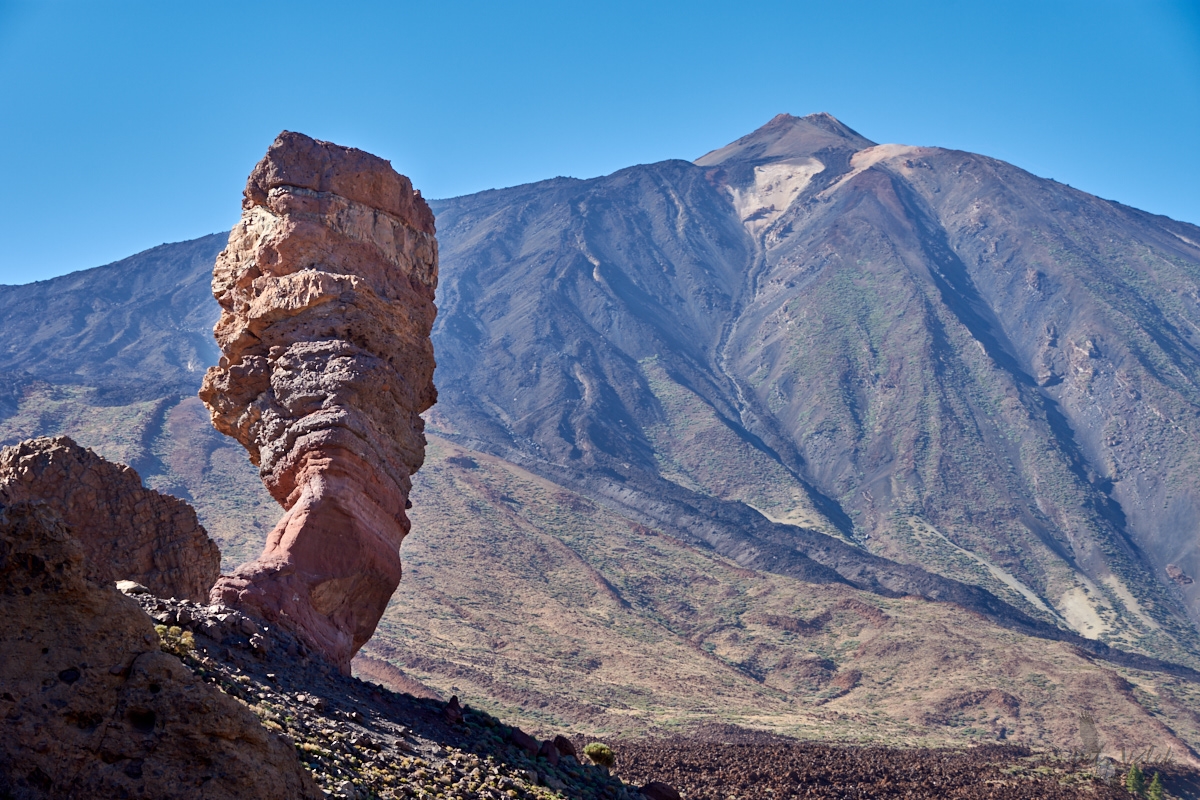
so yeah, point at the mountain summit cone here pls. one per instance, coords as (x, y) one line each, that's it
(786, 136)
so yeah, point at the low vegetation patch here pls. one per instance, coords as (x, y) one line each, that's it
(600, 754)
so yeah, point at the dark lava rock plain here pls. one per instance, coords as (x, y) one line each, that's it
(752, 765)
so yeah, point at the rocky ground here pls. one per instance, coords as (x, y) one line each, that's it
(359, 739)
(741, 765)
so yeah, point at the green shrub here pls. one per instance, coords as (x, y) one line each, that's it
(175, 640)
(600, 754)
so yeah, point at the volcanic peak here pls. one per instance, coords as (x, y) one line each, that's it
(786, 136)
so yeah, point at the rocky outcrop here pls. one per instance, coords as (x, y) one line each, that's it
(93, 707)
(327, 290)
(127, 532)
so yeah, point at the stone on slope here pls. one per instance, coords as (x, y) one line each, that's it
(127, 532)
(326, 290)
(94, 708)
(657, 790)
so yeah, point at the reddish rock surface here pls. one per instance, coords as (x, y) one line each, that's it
(565, 746)
(327, 287)
(524, 741)
(127, 532)
(93, 707)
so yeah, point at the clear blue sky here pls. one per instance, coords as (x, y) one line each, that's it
(128, 124)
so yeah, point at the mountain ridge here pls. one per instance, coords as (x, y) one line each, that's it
(102, 322)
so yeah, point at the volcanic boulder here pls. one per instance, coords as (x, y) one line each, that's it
(94, 708)
(127, 532)
(327, 289)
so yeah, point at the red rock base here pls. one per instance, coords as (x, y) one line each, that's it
(332, 562)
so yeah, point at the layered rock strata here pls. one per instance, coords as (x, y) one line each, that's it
(127, 532)
(327, 289)
(93, 707)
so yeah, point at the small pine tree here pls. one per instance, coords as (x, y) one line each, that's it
(1135, 782)
(1155, 790)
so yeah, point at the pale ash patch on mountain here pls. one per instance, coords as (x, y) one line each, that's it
(1121, 590)
(1183, 238)
(595, 262)
(776, 186)
(1080, 610)
(999, 573)
(865, 159)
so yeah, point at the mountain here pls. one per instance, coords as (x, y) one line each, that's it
(116, 354)
(139, 328)
(724, 423)
(930, 354)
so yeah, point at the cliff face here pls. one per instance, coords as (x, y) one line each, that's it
(326, 290)
(127, 532)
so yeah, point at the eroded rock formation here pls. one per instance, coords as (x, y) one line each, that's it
(327, 291)
(94, 708)
(127, 532)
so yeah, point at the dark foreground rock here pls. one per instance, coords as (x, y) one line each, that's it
(363, 741)
(91, 704)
